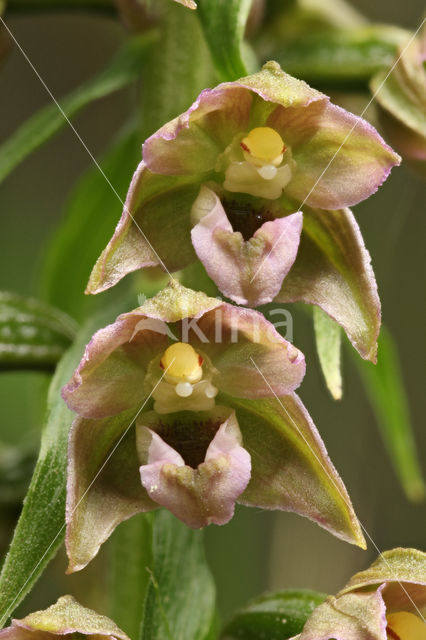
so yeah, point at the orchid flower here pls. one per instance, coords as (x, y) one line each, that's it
(191, 400)
(64, 619)
(250, 171)
(401, 95)
(387, 601)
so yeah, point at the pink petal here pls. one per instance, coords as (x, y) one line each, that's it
(199, 496)
(233, 338)
(249, 272)
(340, 159)
(110, 376)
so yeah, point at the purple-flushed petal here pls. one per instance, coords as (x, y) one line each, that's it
(333, 271)
(198, 496)
(340, 159)
(110, 376)
(291, 469)
(232, 338)
(156, 211)
(103, 485)
(249, 272)
(191, 143)
(65, 617)
(350, 617)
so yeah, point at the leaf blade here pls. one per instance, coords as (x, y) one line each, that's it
(224, 22)
(275, 616)
(40, 127)
(33, 335)
(40, 528)
(328, 341)
(91, 213)
(177, 559)
(384, 385)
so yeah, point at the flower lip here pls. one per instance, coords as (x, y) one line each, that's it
(188, 436)
(245, 215)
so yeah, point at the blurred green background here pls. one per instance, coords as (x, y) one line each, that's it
(257, 550)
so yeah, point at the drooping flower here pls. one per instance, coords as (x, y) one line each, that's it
(387, 601)
(262, 149)
(400, 93)
(66, 618)
(188, 403)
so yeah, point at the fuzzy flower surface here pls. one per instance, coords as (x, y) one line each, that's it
(387, 601)
(64, 619)
(188, 403)
(401, 97)
(255, 179)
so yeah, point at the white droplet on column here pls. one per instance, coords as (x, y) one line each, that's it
(184, 389)
(267, 172)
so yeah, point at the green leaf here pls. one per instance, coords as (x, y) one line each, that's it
(179, 68)
(180, 600)
(384, 385)
(92, 212)
(16, 469)
(224, 23)
(328, 340)
(41, 526)
(121, 71)
(33, 335)
(129, 558)
(340, 57)
(275, 616)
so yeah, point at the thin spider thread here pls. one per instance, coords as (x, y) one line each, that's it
(10, 607)
(337, 487)
(344, 141)
(96, 163)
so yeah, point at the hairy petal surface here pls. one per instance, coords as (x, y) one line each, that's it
(191, 143)
(333, 271)
(65, 617)
(103, 484)
(176, 302)
(403, 571)
(291, 469)
(197, 496)
(155, 213)
(340, 158)
(110, 376)
(350, 617)
(233, 338)
(249, 272)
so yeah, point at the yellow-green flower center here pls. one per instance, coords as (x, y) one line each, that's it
(267, 165)
(263, 147)
(405, 626)
(182, 364)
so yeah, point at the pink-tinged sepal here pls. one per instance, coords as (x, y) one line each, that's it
(384, 602)
(333, 271)
(266, 135)
(291, 470)
(155, 213)
(198, 494)
(249, 271)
